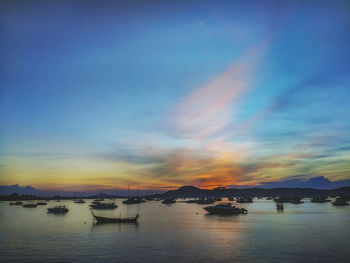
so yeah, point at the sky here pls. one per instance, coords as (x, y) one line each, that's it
(160, 94)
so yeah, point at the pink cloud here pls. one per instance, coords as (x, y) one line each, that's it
(210, 108)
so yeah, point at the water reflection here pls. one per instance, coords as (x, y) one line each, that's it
(181, 232)
(116, 227)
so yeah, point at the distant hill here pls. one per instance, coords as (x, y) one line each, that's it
(194, 192)
(25, 190)
(98, 193)
(313, 186)
(319, 182)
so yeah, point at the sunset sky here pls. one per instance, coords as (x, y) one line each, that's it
(102, 94)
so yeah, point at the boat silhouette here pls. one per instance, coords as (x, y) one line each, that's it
(100, 219)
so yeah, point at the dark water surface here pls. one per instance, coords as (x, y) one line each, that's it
(179, 233)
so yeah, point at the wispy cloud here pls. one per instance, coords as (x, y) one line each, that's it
(210, 108)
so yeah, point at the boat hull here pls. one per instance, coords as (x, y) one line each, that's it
(127, 220)
(58, 210)
(225, 211)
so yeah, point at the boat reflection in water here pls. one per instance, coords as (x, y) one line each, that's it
(225, 209)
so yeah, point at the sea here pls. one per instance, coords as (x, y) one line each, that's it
(182, 232)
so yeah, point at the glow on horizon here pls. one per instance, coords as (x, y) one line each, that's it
(230, 94)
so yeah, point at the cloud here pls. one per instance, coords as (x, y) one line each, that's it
(204, 154)
(209, 109)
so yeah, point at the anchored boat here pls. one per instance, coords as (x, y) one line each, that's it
(320, 199)
(206, 201)
(131, 201)
(225, 209)
(29, 205)
(245, 200)
(80, 201)
(17, 203)
(279, 206)
(100, 219)
(62, 209)
(168, 201)
(104, 206)
(340, 202)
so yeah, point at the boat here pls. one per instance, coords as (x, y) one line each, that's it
(140, 200)
(100, 219)
(320, 199)
(245, 200)
(80, 201)
(131, 201)
(17, 203)
(29, 205)
(292, 200)
(95, 202)
(41, 203)
(62, 209)
(207, 201)
(104, 206)
(296, 201)
(279, 206)
(135, 200)
(225, 209)
(168, 201)
(340, 202)
(191, 201)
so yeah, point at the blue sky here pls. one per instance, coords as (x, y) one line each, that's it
(106, 93)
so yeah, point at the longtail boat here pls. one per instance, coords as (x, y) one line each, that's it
(101, 219)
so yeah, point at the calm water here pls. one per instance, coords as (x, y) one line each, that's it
(182, 232)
